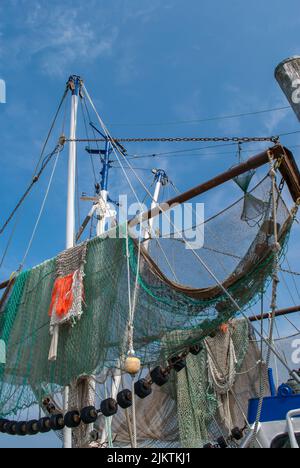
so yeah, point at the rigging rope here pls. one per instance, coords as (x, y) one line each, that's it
(205, 266)
(290, 272)
(208, 119)
(43, 161)
(275, 283)
(35, 179)
(40, 213)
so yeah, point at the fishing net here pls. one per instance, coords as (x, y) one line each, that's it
(187, 412)
(170, 315)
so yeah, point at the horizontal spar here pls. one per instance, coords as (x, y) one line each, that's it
(278, 313)
(288, 169)
(4, 284)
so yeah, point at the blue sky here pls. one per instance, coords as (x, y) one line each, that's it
(143, 62)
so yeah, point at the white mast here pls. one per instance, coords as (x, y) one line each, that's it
(70, 230)
(161, 180)
(74, 84)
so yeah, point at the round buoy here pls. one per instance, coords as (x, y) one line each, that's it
(196, 349)
(159, 376)
(32, 427)
(57, 422)
(224, 328)
(237, 433)
(94, 436)
(72, 419)
(5, 427)
(89, 415)
(177, 363)
(2, 422)
(222, 443)
(11, 428)
(132, 365)
(21, 429)
(142, 388)
(109, 407)
(44, 425)
(124, 399)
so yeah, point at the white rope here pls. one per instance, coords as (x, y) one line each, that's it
(132, 309)
(108, 136)
(168, 262)
(134, 425)
(275, 283)
(239, 405)
(132, 302)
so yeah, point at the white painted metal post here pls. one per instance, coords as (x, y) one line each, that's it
(70, 227)
(70, 238)
(102, 217)
(160, 176)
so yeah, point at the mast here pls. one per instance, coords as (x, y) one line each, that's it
(103, 213)
(74, 85)
(161, 179)
(104, 189)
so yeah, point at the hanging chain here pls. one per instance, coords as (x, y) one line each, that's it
(272, 139)
(281, 185)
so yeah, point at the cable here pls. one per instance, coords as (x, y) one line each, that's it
(289, 133)
(194, 150)
(51, 129)
(44, 160)
(294, 273)
(40, 214)
(87, 134)
(36, 178)
(209, 119)
(9, 242)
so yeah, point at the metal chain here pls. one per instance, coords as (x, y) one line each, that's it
(275, 282)
(272, 139)
(294, 273)
(281, 185)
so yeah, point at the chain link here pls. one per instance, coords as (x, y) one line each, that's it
(281, 185)
(272, 139)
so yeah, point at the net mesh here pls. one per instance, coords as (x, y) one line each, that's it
(169, 316)
(187, 411)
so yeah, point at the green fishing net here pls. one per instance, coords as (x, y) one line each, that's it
(242, 259)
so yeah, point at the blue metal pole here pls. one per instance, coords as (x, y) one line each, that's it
(106, 167)
(272, 382)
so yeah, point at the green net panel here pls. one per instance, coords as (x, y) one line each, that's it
(163, 308)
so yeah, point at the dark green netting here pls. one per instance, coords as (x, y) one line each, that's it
(163, 308)
(197, 403)
(244, 180)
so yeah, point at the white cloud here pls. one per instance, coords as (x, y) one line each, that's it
(57, 37)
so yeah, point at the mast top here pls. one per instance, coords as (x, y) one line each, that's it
(160, 176)
(75, 83)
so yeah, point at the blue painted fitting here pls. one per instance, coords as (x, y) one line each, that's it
(76, 80)
(285, 391)
(272, 382)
